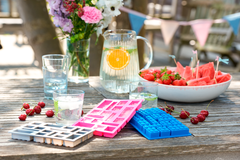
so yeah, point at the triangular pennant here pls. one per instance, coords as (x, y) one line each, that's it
(233, 20)
(168, 29)
(201, 29)
(136, 22)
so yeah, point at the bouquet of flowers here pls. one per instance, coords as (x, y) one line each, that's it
(78, 20)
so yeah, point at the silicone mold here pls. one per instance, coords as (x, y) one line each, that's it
(68, 136)
(109, 116)
(154, 123)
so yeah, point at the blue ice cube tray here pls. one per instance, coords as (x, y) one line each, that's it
(154, 123)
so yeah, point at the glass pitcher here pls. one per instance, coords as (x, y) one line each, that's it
(119, 63)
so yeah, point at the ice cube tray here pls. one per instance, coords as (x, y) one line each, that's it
(68, 136)
(109, 116)
(154, 123)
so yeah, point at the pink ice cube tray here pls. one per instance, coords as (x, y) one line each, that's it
(110, 116)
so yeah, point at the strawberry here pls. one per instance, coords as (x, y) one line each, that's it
(201, 117)
(49, 113)
(162, 74)
(177, 76)
(26, 105)
(22, 117)
(37, 109)
(41, 104)
(176, 83)
(166, 80)
(30, 112)
(169, 71)
(194, 120)
(164, 70)
(172, 77)
(159, 81)
(154, 71)
(149, 77)
(157, 75)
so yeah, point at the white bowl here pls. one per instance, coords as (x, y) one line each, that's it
(190, 93)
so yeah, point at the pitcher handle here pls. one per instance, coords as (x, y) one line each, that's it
(150, 54)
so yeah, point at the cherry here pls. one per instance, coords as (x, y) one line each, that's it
(162, 108)
(169, 108)
(22, 117)
(205, 112)
(37, 109)
(49, 113)
(41, 104)
(201, 117)
(184, 114)
(30, 112)
(194, 120)
(26, 106)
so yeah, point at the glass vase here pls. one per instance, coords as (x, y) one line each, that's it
(79, 60)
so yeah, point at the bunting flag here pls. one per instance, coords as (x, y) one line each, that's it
(201, 29)
(233, 20)
(168, 29)
(136, 22)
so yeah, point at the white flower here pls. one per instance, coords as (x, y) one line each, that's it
(106, 21)
(113, 6)
(99, 30)
(94, 1)
(100, 4)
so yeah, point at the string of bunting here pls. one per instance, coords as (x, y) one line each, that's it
(200, 27)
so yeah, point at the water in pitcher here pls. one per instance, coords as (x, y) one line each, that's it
(115, 77)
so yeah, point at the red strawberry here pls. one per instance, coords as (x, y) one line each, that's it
(182, 82)
(49, 113)
(152, 71)
(22, 117)
(41, 104)
(37, 109)
(201, 117)
(194, 120)
(30, 112)
(159, 81)
(176, 83)
(184, 114)
(172, 77)
(149, 77)
(166, 80)
(26, 105)
(157, 75)
(169, 71)
(162, 74)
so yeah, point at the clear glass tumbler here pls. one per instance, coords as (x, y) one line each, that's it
(55, 73)
(68, 106)
(148, 91)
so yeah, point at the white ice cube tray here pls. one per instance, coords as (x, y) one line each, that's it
(68, 136)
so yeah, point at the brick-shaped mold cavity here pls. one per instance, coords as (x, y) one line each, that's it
(111, 105)
(104, 104)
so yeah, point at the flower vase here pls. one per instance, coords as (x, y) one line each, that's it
(79, 60)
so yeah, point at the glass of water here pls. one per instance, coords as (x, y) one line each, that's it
(68, 106)
(55, 73)
(148, 91)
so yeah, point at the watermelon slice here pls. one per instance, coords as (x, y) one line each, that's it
(187, 74)
(181, 82)
(223, 78)
(219, 73)
(199, 81)
(207, 70)
(199, 73)
(180, 68)
(211, 82)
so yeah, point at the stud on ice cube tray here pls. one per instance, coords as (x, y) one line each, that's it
(154, 123)
(110, 116)
(68, 136)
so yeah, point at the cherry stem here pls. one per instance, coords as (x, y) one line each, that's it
(209, 104)
(172, 110)
(31, 111)
(186, 113)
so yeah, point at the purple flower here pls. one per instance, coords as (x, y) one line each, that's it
(64, 10)
(67, 25)
(58, 21)
(54, 4)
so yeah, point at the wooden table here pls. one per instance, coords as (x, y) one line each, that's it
(219, 135)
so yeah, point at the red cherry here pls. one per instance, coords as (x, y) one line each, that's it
(170, 108)
(30, 112)
(49, 113)
(37, 109)
(204, 112)
(22, 117)
(162, 108)
(41, 104)
(184, 114)
(201, 117)
(194, 120)
(26, 105)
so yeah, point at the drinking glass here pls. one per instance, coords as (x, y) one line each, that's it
(68, 106)
(148, 91)
(55, 73)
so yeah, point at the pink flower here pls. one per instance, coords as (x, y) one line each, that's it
(91, 15)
